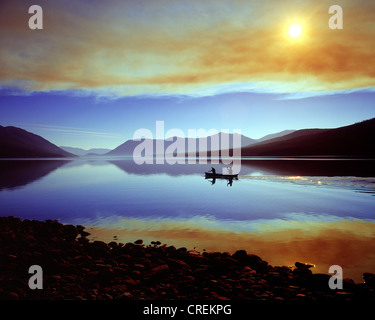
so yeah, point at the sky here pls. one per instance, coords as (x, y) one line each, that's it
(100, 70)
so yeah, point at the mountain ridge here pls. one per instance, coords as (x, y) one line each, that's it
(355, 140)
(19, 143)
(128, 146)
(352, 140)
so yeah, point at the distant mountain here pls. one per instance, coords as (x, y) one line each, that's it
(18, 143)
(274, 135)
(355, 140)
(127, 147)
(82, 152)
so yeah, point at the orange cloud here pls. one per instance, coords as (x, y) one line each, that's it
(166, 47)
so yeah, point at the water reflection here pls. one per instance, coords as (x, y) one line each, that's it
(260, 166)
(228, 180)
(283, 210)
(310, 167)
(348, 243)
(18, 173)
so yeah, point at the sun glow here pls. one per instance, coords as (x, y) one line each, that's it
(295, 31)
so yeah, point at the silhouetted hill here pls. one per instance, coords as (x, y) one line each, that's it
(355, 140)
(274, 135)
(19, 143)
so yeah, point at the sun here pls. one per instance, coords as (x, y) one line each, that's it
(295, 31)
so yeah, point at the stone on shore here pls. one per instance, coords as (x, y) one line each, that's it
(79, 269)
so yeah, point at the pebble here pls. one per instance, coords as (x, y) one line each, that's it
(79, 269)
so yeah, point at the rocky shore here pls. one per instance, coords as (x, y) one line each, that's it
(79, 269)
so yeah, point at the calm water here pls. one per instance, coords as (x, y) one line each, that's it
(285, 210)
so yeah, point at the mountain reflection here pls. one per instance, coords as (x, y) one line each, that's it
(289, 167)
(17, 173)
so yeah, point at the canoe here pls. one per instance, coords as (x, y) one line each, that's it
(220, 176)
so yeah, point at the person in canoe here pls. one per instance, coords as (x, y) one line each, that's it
(230, 170)
(213, 170)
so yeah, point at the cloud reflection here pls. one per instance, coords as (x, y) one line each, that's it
(348, 243)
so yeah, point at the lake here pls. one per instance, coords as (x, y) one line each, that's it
(285, 210)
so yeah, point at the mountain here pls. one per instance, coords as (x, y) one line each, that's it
(127, 147)
(82, 152)
(275, 135)
(18, 143)
(355, 140)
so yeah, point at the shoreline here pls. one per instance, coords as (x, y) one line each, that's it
(76, 268)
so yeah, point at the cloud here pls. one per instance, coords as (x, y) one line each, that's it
(187, 48)
(69, 130)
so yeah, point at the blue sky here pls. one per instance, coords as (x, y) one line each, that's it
(88, 122)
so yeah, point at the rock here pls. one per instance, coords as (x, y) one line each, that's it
(124, 258)
(240, 255)
(283, 270)
(301, 265)
(218, 297)
(178, 264)
(193, 252)
(99, 244)
(170, 249)
(70, 232)
(120, 271)
(139, 241)
(189, 278)
(111, 262)
(251, 260)
(112, 244)
(201, 272)
(160, 269)
(13, 296)
(131, 282)
(369, 279)
(77, 269)
(84, 234)
(125, 296)
(102, 277)
(181, 250)
(302, 273)
(318, 282)
(83, 240)
(99, 266)
(105, 276)
(349, 285)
